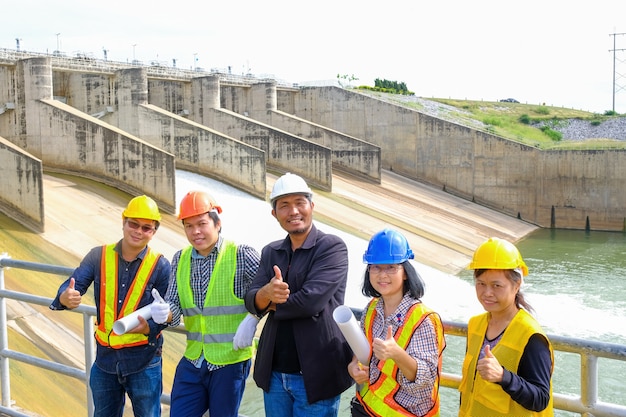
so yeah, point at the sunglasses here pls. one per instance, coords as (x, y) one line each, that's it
(146, 228)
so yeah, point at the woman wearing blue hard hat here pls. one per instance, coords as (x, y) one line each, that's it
(406, 338)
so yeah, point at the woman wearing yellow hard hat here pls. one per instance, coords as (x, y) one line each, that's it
(507, 370)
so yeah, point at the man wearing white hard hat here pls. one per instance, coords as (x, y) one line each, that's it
(302, 358)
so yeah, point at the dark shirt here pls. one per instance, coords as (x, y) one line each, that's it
(530, 387)
(317, 275)
(127, 360)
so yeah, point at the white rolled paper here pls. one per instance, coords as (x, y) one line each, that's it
(131, 321)
(352, 332)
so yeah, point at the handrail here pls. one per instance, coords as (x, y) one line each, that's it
(587, 404)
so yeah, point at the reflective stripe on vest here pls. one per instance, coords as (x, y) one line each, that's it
(480, 398)
(109, 294)
(211, 329)
(378, 398)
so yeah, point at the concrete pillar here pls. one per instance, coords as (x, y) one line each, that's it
(132, 91)
(34, 77)
(205, 96)
(264, 99)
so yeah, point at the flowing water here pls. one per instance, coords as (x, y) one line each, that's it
(576, 285)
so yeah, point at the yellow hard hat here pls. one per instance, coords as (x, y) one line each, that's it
(497, 253)
(142, 207)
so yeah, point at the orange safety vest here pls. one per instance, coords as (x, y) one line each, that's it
(378, 398)
(108, 298)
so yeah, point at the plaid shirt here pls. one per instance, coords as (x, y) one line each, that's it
(201, 269)
(415, 396)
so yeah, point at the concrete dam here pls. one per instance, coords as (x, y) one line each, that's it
(132, 126)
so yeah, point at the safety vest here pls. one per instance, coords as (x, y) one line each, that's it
(212, 328)
(108, 297)
(480, 398)
(378, 398)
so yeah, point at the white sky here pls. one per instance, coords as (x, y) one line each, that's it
(555, 52)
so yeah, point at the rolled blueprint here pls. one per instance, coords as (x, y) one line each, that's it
(352, 332)
(131, 321)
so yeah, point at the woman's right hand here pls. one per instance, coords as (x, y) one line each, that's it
(359, 372)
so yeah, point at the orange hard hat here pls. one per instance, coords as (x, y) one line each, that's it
(197, 202)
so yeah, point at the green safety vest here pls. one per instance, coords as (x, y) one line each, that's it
(212, 328)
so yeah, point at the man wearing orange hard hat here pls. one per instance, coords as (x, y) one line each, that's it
(127, 276)
(208, 281)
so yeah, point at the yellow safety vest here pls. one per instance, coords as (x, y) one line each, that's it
(480, 398)
(108, 298)
(378, 398)
(212, 328)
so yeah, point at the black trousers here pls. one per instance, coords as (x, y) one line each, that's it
(356, 409)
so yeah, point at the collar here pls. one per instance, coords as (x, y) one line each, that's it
(309, 242)
(141, 255)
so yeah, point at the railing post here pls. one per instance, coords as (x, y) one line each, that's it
(589, 381)
(90, 347)
(5, 375)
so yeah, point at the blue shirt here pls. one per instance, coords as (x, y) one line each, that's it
(128, 360)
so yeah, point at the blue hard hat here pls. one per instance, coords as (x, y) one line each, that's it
(387, 247)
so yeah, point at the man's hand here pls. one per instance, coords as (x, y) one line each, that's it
(70, 298)
(159, 309)
(245, 332)
(278, 289)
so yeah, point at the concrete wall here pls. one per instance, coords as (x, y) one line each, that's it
(564, 189)
(21, 186)
(214, 126)
(349, 154)
(284, 151)
(68, 140)
(205, 151)
(197, 147)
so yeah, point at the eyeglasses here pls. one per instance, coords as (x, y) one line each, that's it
(386, 269)
(144, 227)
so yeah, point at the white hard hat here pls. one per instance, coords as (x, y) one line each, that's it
(289, 184)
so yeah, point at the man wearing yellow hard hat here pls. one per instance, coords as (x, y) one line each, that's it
(127, 276)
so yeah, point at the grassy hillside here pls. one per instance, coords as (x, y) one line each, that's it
(516, 121)
(520, 122)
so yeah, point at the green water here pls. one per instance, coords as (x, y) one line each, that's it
(577, 286)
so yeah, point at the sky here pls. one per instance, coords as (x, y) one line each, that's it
(556, 52)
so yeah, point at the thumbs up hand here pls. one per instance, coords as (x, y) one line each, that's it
(385, 349)
(70, 298)
(279, 289)
(489, 368)
(159, 309)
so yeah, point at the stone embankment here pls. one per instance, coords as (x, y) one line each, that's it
(578, 130)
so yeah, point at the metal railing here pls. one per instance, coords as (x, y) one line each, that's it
(86, 63)
(587, 404)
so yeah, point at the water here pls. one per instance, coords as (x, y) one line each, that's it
(576, 286)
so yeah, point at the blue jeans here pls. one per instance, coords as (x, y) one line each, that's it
(143, 388)
(287, 398)
(197, 390)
